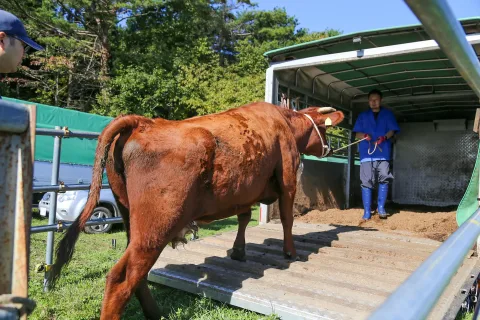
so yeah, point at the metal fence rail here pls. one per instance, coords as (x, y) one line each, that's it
(416, 297)
(65, 132)
(56, 187)
(65, 225)
(62, 188)
(439, 21)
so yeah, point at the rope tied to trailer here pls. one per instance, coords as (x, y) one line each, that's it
(24, 306)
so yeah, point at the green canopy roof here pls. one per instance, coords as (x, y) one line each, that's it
(417, 85)
(368, 39)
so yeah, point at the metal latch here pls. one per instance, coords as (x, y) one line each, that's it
(43, 267)
(66, 132)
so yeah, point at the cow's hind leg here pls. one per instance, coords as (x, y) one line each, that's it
(238, 251)
(126, 277)
(147, 302)
(149, 305)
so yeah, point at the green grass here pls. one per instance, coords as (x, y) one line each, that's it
(466, 316)
(79, 291)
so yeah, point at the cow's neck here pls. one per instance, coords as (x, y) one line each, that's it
(301, 128)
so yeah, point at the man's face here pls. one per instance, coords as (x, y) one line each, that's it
(374, 101)
(11, 53)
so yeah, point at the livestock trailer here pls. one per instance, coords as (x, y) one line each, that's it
(436, 151)
(430, 78)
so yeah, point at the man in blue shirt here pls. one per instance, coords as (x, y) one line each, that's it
(14, 42)
(377, 126)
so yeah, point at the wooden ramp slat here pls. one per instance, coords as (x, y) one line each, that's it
(343, 273)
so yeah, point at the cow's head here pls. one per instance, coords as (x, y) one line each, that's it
(321, 119)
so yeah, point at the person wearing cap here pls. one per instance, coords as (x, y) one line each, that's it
(376, 126)
(14, 42)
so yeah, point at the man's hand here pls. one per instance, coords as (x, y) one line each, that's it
(367, 137)
(381, 139)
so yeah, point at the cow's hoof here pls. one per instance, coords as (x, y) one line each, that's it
(290, 256)
(238, 254)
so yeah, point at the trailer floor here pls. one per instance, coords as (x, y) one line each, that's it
(345, 272)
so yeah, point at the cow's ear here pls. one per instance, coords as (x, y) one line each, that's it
(331, 119)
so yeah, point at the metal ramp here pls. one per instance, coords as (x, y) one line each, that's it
(344, 272)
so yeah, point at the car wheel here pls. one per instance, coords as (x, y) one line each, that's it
(100, 213)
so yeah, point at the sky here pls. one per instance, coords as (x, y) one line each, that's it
(359, 15)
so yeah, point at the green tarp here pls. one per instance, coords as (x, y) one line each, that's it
(74, 150)
(469, 203)
(82, 151)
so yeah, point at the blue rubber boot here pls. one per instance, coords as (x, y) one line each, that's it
(367, 200)
(382, 198)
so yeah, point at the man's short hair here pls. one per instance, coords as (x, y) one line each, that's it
(375, 91)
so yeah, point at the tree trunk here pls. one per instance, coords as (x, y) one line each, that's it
(105, 56)
(69, 92)
(56, 89)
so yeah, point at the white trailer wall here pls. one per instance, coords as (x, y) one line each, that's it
(433, 162)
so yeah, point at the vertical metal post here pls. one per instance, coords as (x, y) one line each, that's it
(350, 164)
(269, 84)
(9, 146)
(478, 206)
(15, 203)
(288, 98)
(57, 145)
(271, 96)
(23, 219)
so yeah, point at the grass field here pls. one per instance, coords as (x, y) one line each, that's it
(80, 290)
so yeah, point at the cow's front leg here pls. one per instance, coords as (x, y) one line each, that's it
(238, 251)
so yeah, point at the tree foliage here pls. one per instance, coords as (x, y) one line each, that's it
(168, 58)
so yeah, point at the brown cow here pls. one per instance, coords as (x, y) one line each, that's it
(167, 174)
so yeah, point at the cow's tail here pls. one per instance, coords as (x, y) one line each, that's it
(66, 246)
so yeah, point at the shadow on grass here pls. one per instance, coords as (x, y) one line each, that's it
(221, 225)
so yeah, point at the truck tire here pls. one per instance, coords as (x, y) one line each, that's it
(100, 212)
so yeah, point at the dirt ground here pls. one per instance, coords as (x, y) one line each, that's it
(427, 222)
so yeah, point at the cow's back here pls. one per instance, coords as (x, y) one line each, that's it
(225, 159)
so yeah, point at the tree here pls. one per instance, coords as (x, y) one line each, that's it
(67, 72)
(76, 62)
(168, 58)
